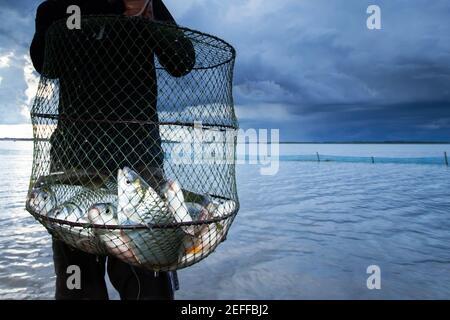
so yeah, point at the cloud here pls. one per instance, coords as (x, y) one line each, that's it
(317, 62)
(311, 68)
(18, 88)
(269, 112)
(438, 124)
(16, 24)
(32, 82)
(31, 79)
(5, 60)
(16, 31)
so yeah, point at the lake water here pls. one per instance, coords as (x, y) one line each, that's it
(308, 232)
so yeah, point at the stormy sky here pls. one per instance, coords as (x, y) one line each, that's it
(310, 68)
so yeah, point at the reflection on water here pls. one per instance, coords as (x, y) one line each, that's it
(309, 232)
(25, 258)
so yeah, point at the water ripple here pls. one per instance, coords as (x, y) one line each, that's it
(308, 232)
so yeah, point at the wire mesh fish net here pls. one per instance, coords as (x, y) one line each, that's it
(134, 141)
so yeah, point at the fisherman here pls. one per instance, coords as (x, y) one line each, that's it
(107, 119)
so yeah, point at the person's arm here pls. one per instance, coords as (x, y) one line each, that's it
(47, 13)
(50, 11)
(174, 51)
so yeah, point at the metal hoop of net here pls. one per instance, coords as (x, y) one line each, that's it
(134, 141)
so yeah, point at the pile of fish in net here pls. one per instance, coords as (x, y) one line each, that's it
(134, 141)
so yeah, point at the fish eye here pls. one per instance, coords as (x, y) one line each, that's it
(128, 182)
(108, 211)
(45, 198)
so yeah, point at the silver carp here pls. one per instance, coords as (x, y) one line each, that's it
(177, 206)
(42, 200)
(76, 211)
(138, 203)
(207, 236)
(116, 241)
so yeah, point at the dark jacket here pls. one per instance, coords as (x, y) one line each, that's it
(108, 90)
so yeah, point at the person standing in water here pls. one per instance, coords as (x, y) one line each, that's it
(110, 80)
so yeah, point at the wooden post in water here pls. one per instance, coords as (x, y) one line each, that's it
(446, 158)
(318, 157)
(373, 160)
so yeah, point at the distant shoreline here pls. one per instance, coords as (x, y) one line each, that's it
(307, 142)
(366, 142)
(16, 139)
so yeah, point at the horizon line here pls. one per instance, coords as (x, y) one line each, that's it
(308, 142)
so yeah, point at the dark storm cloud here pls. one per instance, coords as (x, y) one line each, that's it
(330, 78)
(16, 23)
(311, 67)
(422, 120)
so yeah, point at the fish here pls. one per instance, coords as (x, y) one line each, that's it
(207, 236)
(195, 248)
(198, 213)
(116, 241)
(140, 204)
(76, 210)
(195, 210)
(177, 206)
(42, 200)
(110, 185)
(223, 209)
(86, 178)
